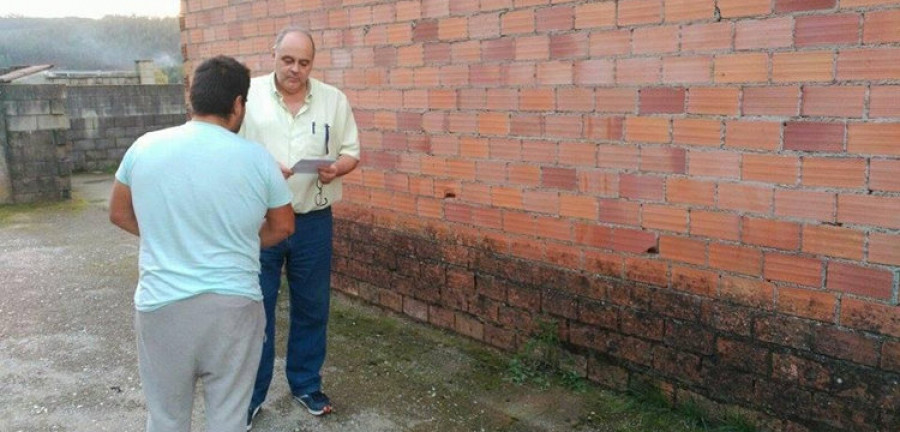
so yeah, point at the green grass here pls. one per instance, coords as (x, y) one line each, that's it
(9, 211)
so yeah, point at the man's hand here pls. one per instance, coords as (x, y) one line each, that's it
(343, 165)
(285, 171)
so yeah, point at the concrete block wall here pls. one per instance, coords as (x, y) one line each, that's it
(702, 193)
(106, 119)
(35, 165)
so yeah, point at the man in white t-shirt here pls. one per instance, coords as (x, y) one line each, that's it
(203, 201)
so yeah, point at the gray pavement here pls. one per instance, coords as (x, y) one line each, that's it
(68, 362)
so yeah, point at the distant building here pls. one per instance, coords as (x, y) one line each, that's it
(144, 73)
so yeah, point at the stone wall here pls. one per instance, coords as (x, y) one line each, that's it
(37, 167)
(105, 120)
(48, 131)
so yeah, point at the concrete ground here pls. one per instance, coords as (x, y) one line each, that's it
(68, 362)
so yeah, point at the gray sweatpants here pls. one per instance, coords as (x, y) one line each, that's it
(216, 338)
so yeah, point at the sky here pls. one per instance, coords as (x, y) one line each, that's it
(89, 8)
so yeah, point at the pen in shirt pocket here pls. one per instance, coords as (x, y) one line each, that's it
(327, 128)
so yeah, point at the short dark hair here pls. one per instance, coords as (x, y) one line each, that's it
(215, 85)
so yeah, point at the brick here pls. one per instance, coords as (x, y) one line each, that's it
(823, 30)
(517, 22)
(804, 204)
(833, 241)
(616, 100)
(745, 198)
(647, 129)
(571, 45)
(645, 270)
(771, 233)
(884, 248)
(499, 100)
(713, 101)
(526, 175)
(743, 8)
(638, 71)
(694, 70)
(874, 138)
(559, 178)
(578, 206)
(699, 132)
(843, 101)
(883, 101)
(594, 72)
(741, 68)
(764, 34)
(684, 249)
(881, 27)
(868, 64)
(595, 14)
(750, 292)
(771, 101)
(453, 28)
(519, 74)
(784, 6)
(541, 201)
(664, 218)
(770, 168)
(540, 99)
(634, 241)
(557, 18)
(836, 172)
(707, 37)
(575, 99)
(618, 157)
(806, 303)
(864, 281)
(610, 43)
(484, 26)
(694, 281)
(814, 136)
(641, 187)
(883, 175)
(663, 159)
(653, 40)
(869, 316)
(495, 50)
(890, 356)
(604, 128)
(598, 183)
(796, 269)
(755, 135)
(532, 48)
(690, 191)
(717, 225)
(493, 123)
(719, 164)
(867, 210)
(738, 259)
(661, 100)
(620, 212)
(688, 10)
(555, 73)
(575, 153)
(802, 66)
(634, 12)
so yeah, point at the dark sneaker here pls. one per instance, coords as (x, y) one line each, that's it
(250, 417)
(316, 403)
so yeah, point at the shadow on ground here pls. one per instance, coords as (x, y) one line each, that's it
(68, 363)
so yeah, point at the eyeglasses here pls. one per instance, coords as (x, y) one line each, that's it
(321, 200)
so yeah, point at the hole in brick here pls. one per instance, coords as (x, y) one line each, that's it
(652, 250)
(449, 194)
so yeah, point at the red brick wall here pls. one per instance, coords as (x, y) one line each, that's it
(706, 193)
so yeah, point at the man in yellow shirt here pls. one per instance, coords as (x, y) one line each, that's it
(298, 118)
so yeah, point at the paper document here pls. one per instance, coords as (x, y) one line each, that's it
(310, 166)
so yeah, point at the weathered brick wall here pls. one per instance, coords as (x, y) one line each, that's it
(700, 192)
(107, 119)
(35, 166)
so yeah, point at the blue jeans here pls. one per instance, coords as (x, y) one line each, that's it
(306, 258)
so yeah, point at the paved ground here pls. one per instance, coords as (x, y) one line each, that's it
(68, 363)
